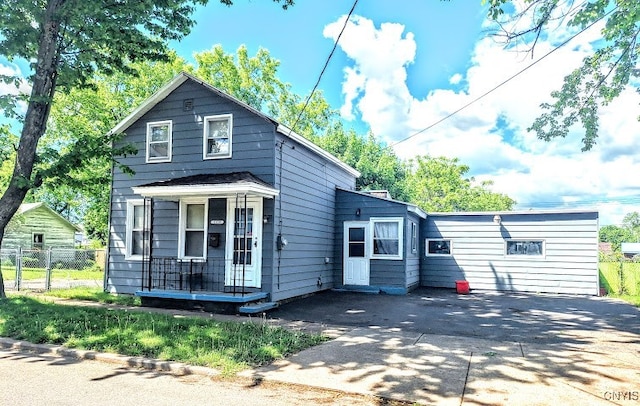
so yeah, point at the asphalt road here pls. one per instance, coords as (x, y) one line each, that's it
(33, 380)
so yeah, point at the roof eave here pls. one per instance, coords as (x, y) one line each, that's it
(186, 191)
(286, 131)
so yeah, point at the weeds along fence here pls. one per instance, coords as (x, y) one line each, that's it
(620, 277)
(51, 268)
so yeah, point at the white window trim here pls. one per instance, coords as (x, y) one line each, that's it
(205, 132)
(129, 229)
(170, 141)
(400, 222)
(426, 247)
(542, 255)
(414, 237)
(182, 218)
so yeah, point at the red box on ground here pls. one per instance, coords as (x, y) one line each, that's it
(462, 287)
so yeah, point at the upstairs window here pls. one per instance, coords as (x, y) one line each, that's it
(159, 141)
(217, 137)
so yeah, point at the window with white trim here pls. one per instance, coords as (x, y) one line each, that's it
(159, 134)
(193, 221)
(529, 248)
(387, 238)
(438, 247)
(135, 229)
(217, 136)
(414, 237)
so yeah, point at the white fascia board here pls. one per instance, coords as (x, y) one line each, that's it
(313, 147)
(148, 104)
(177, 192)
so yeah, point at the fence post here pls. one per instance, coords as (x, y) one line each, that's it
(47, 278)
(18, 268)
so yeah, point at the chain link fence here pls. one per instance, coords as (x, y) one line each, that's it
(55, 268)
(620, 277)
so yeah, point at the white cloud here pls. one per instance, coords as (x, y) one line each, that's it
(490, 135)
(10, 89)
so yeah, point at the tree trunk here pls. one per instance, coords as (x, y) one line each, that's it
(35, 120)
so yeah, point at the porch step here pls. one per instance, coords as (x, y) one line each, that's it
(254, 308)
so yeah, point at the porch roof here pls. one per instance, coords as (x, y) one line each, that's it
(219, 185)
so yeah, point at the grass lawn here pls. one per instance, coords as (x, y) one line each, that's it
(94, 294)
(224, 345)
(40, 273)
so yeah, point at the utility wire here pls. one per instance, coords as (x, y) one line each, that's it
(503, 82)
(324, 68)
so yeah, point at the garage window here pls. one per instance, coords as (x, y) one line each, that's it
(530, 248)
(438, 247)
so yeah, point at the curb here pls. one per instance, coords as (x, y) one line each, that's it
(175, 368)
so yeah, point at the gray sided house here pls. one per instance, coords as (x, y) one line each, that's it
(37, 227)
(226, 204)
(229, 206)
(554, 252)
(377, 242)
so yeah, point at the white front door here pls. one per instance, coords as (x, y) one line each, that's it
(356, 253)
(244, 242)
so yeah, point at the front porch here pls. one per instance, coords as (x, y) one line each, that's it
(169, 279)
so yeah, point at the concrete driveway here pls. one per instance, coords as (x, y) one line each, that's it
(436, 347)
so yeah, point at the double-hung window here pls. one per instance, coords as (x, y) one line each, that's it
(135, 226)
(217, 137)
(387, 237)
(193, 221)
(159, 136)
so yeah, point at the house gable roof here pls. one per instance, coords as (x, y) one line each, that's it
(27, 207)
(182, 77)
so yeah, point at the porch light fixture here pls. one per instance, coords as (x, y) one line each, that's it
(358, 212)
(497, 219)
(266, 218)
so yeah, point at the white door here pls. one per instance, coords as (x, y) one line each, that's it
(244, 242)
(356, 253)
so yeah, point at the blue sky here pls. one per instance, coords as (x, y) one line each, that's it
(402, 66)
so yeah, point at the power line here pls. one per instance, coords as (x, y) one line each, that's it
(503, 82)
(324, 68)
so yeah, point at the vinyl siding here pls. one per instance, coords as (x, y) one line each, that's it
(384, 273)
(569, 263)
(307, 202)
(253, 150)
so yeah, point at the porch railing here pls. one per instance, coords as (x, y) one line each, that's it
(194, 275)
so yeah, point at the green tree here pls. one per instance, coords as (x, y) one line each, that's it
(66, 41)
(440, 185)
(379, 167)
(631, 223)
(602, 76)
(614, 235)
(254, 80)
